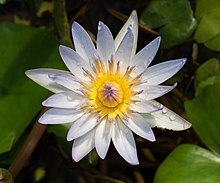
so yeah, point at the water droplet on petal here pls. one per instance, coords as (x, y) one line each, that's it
(126, 130)
(165, 110)
(51, 76)
(172, 117)
(78, 64)
(130, 27)
(69, 98)
(157, 104)
(100, 26)
(129, 137)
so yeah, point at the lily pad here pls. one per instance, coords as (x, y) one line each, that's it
(174, 19)
(207, 74)
(208, 30)
(203, 112)
(189, 163)
(22, 48)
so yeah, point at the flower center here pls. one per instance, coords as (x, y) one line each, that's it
(110, 94)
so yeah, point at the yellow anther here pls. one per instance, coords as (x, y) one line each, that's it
(110, 94)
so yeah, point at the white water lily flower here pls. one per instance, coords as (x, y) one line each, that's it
(109, 91)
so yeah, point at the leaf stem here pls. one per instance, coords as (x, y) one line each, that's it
(28, 147)
(61, 22)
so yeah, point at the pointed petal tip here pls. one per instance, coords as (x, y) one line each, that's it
(134, 13)
(44, 103)
(187, 125)
(184, 60)
(74, 24)
(102, 156)
(61, 47)
(100, 23)
(31, 72)
(27, 73)
(68, 138)
(134, 162)
(152, 139)
(158, 39)
(41, 120)
(75, 158)
(134, 16)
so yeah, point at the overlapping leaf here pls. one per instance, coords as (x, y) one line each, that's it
(174, 19)
(22, 48)
(208, 30)
(189, 163)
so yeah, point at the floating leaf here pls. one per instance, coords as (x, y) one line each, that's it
(22, 48)
(207, 74)
(3, 1)
(174, 19)
(203, 112)
(189, 163)
(208, 30)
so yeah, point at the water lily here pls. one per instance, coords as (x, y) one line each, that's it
(109, 92)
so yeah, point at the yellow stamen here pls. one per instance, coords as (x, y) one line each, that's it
(109, 93)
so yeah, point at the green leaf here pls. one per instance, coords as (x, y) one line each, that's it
(207, 74)
(208, 30)
(203, 7)
(22, 48)
(209, 81)
(214, 43)
(3, 1)
(173, 18)
(209, 68)
(203, 113)
(189, 163)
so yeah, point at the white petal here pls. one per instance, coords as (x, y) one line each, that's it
(140, 126)
(64, 100)
(161, 72)
(83, 43)
(133, 22)
(105, 43)
(66, 80)
(74, 62)
(60, 116)
(40, 76)
(83, 145)
(144, 57)
(152, 92)
(124, 143)
(123, 53)
(143, 106)
(103, 137)
(84, 124)
(167, 119)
